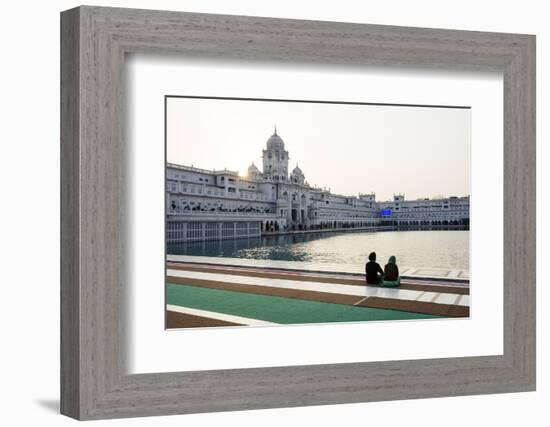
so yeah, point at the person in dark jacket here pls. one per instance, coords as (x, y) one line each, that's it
(391, 274)
(373, 270)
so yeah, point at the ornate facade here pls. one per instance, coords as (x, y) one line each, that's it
(219, 204)
(451, 211)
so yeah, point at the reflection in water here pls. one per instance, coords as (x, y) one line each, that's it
(422, 249)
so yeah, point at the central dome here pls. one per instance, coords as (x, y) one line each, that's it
(275, 142)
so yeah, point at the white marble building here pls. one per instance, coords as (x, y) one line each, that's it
(451, 211)
(219, 204)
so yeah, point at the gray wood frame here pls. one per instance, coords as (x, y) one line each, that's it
(94, 41)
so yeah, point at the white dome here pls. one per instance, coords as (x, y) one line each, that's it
(275, 142)
(297, 171)
(297, 175)
(253, 168)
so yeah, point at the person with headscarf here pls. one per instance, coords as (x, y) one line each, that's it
(373, 271)
(391, 274)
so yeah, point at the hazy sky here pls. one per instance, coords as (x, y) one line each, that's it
(418, 151)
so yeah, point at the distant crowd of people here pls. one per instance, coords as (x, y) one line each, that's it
(376, 276)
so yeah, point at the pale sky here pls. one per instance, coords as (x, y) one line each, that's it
(351, 149)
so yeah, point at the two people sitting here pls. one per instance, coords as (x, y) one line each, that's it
(387, 277)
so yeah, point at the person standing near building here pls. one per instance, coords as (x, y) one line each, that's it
(373, 271)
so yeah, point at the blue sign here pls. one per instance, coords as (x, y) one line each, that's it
(385, 212)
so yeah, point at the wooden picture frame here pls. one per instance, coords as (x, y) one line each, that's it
(94, 382)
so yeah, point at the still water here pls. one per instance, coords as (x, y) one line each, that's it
(423, 249)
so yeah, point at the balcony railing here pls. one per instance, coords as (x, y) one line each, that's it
(220, 213)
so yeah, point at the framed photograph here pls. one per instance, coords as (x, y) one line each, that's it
(262, 213)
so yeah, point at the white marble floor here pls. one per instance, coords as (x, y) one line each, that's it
(406, 272)
(334, 288)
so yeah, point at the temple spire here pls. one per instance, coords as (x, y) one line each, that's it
(275, 130)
